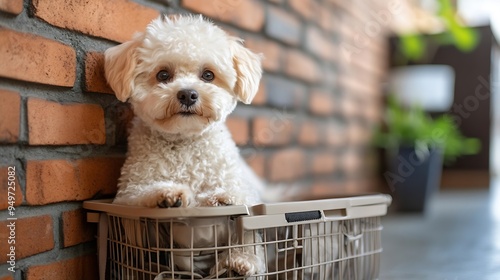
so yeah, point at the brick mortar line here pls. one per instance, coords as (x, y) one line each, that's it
(48, 152)
(54, 210)
(283, 75)
(270, 150)
(57, 94)
(338, 176)
(169, 6)
(298, 116)
(23, 121)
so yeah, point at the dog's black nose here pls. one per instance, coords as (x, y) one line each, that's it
(187, 96)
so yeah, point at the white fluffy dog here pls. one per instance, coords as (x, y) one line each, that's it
(183, 76)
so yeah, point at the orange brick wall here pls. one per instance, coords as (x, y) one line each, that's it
(65, 133)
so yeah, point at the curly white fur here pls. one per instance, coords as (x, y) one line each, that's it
(183, 155)
(202, 170)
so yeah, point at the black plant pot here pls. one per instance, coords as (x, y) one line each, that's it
(414, 176)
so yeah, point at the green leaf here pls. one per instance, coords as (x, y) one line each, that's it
(465, 38)
(412, 46)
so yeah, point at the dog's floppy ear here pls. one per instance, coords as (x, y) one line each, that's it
(248, 70)
(119, 64)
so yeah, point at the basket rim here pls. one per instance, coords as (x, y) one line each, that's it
(128, 211)
(106, 205)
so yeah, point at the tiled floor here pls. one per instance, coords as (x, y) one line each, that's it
(458, 239)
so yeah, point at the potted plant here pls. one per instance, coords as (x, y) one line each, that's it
(416, 147)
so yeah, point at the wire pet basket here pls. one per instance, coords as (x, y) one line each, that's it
(309, 240)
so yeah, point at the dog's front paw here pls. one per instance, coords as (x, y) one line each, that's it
(174, 197)
(243, 266)
(242, 263)
(215, 199)
(222, 200)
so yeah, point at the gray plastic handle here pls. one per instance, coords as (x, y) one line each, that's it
(303, 212)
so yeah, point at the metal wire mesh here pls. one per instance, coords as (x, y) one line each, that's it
(185, 248)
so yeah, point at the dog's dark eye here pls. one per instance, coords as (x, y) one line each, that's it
(208, 76)
(162, 76)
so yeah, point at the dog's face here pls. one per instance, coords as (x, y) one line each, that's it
(182, 75)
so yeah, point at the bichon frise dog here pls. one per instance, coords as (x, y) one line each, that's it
(183, 76)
